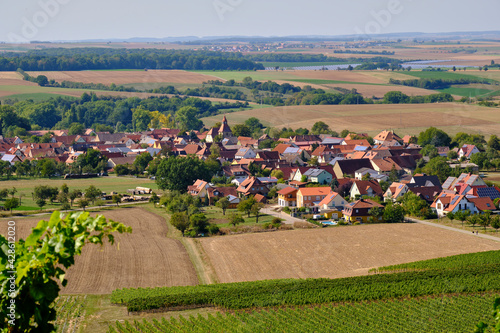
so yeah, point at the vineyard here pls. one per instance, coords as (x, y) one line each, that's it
(70, 313)
(441, 314)
(314, 291)
(462, 260)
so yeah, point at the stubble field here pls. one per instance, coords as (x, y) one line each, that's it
(145, 258)
(403, 118)
(126, 76)
(333, 252)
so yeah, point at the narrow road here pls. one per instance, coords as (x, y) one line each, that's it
(497, 239)
(287, 219)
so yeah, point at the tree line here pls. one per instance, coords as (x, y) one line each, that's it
(73, 59)
(436, 83)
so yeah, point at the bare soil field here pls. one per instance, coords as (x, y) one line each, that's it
(333, 252)
(403, 118)
(125, 77)
(145, 258)
(15, 82)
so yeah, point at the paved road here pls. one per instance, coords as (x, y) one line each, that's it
(287, 219)
(497, 239)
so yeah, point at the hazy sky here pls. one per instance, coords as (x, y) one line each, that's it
(92, 19)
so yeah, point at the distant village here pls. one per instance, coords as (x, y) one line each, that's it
(336, 177)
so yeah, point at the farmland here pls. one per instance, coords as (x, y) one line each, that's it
(333, 252)
(403, 118)
(125, 77)
(447, 313)
(100, 270)
(25, 187)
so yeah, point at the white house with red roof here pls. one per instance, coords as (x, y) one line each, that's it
(467, 151)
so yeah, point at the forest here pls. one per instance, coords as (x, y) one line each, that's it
(62, 59)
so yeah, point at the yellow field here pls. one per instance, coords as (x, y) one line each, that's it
(404, 118)
(125, 77)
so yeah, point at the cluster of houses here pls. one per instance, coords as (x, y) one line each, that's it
(353, 164)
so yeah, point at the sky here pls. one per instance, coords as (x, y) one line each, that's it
(49, 20)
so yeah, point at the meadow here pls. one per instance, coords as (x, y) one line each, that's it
(25, 187)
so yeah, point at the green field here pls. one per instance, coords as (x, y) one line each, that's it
(301, 64)
(214, 214)
(466, 92)
(25, 187)
(450, 75)
(440, 314)
(36, 97)
(313, 81)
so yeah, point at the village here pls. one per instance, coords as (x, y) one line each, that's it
(324, 179)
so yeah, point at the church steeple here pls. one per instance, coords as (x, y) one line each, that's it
(224, 129)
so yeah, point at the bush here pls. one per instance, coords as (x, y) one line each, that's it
(213, 229)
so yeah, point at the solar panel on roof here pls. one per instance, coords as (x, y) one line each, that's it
(400, 186)
(454, 200)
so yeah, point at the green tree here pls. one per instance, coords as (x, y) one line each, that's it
(246, 205)
(76, 129)
(199, 223)
(187, 120)
(462, 215)
(92, 193)
(180, 221)
(235, 219)
(65, 188)
(494, 142)
(223, 204)
(452, 155)
(154, 199)
(394, 213)
(11, 204)
(40, 203)
(40, 264)
(473, 220)
(485, 219)
(450, 216)
(376, 213)
(395, 97)
(177, 173)
(320, 127)
(142, 161)
(42, 80)
(73, 195)
(435, 137)
(437, 166)
(255, 210)
(495, 222)
(83, 203)
(276, 173)
(116, 199)
(415, 206)
(241, 130)
(254, 124)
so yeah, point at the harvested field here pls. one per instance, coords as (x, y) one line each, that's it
(403, 118)
(333, 252)
(125, 77)
(145, 258)
(337, 76)
(10, 76)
